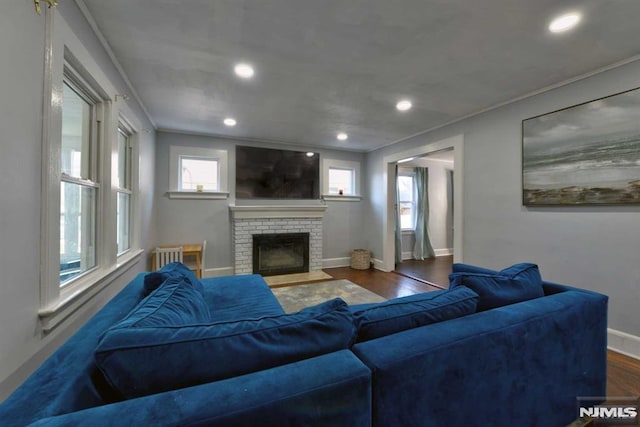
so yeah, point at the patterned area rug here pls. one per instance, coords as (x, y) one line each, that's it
(295, 298)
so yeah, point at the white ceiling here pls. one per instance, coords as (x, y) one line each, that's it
(329, 66)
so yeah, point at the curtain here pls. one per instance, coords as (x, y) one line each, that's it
(422, 248)
(398, 233)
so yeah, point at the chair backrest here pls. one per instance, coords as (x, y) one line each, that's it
(204, 253)
(166, 256)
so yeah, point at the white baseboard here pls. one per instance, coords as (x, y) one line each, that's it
(336, 262)
(216, 272)
(378, 264)
(624, 343)
(443, 252)
(439, 252)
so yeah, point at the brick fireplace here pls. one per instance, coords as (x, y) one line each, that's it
(249, 221)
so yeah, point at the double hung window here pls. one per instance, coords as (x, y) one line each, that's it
(79, 183)
(407, 201)
(123, 184)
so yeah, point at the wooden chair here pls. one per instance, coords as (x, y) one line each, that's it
(198, 269)
(168, 255)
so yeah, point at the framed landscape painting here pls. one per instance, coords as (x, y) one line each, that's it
(588, 154)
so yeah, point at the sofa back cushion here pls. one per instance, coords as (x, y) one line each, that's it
(399, 314)
(520, 282)
(140, 359)
(175, 269)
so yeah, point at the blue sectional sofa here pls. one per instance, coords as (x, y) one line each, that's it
(172, 350)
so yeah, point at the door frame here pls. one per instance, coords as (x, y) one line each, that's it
(388, 218)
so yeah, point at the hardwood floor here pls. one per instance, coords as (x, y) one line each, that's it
(433, 270)
(623, 372)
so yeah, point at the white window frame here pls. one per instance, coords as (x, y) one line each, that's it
(125, 126)
(66, 54)
(177, 152)
(412, 175)
(327, 165)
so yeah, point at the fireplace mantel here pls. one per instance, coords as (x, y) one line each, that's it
(277, 211)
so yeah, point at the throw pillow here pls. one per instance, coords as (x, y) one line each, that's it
(520, 282)
(409, 312)
(141, 360)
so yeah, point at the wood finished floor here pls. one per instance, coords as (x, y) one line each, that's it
(623, 372)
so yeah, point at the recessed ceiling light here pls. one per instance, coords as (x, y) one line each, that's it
(342, 136)
(564, 22)
(404, 105)
(244, 70)
(229, 121)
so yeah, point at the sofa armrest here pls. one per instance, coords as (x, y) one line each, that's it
(525, 363)
(332, 389)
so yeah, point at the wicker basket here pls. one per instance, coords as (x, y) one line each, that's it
(360, 259)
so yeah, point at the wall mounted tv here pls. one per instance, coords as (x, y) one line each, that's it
(265, 173)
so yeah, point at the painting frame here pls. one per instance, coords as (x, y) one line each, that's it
(585, 154)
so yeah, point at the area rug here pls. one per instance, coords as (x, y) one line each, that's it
(295, 298)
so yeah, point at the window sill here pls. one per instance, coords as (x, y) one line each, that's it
(343, 198)
(209, 195)
(73, 299)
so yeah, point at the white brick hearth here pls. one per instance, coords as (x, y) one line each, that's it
(250, 220)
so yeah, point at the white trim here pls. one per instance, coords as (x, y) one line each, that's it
(326, 164)
(211, 195)
(336, 262)
(343, 198)
(443, 252)
(277, 211)
(378, 264)
(624, 343)
(388, 238)
(217, 272)
(407, 255)
(177, 151)
(51, 316)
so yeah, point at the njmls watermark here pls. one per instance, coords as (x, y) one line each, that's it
(610, 410)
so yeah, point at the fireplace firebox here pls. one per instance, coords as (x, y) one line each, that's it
(282, 253)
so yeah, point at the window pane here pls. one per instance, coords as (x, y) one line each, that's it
(405, 188)
(341, 179)
(406, 215)
(76, 119)
(124, 162)
(123, 215)
(77, 230)
(407, 205)
(198, 174)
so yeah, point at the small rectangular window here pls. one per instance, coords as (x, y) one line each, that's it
(199, 174)
(341, 181)
(406, 194)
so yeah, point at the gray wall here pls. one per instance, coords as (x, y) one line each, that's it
(596, 248)
(22, 343)
(184, 221)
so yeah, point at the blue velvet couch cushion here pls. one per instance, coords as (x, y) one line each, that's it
(175, 269)
(399, 314)
(141, 360)
(520, 282)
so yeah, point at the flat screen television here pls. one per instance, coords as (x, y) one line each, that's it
(266, 173)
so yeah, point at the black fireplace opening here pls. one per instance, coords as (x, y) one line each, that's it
(280, 253)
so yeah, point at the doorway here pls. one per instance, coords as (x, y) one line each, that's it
(453, 147)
